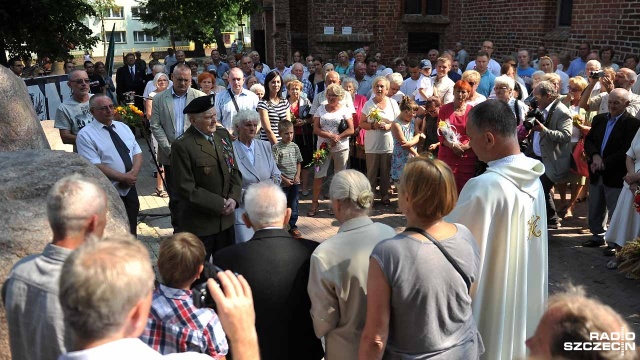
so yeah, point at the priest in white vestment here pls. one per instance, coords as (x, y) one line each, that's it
(505, 210)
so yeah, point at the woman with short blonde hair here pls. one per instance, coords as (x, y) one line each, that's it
(473, 78)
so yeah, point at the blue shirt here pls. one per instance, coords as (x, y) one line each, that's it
(250, 151)
(179, 103)
(577, 67)
(486, 83)
(610, 124)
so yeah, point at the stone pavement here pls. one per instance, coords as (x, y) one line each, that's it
(568, 260)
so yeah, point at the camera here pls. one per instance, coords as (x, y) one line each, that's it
(596, 74)
(201, 296)
(533, 115)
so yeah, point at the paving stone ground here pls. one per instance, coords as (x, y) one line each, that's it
(568, 260)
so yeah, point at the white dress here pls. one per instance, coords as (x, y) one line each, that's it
(625, 221)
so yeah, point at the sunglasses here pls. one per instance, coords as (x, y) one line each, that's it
(80, 81)
(471, 83)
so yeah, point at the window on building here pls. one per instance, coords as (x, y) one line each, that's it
(423, 7)
(565, 12)
(115, 13)
(141, 37)
(137, 10)
(119, 37)
(422, 42)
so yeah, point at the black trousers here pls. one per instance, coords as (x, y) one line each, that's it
(552, 215)
(174, 199)
(219, 241)
(132, 206)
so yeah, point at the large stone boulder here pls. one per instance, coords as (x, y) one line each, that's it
(19, 126)
(25, 180)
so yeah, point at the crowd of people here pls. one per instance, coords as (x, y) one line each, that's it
(237, 144)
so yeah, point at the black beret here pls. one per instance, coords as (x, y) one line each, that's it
(199, 105)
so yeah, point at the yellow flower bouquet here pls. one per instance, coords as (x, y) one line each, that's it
(375, 116)
(578, 120)
(129, 115)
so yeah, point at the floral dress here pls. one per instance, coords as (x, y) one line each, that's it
(400, 154)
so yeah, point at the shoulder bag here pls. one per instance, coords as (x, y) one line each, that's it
(446, 254)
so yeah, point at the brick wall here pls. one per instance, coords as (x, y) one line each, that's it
(511, 25)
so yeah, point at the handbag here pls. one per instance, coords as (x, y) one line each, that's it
(446, 254)
(343, 126)
(578, 163)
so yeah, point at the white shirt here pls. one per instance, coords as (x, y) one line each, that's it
(227, 110)
(94, 144)
(127, 349)
(409, 86)
(494, 67)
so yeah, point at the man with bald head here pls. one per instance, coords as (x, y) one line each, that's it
(624, 79)
(606, 145)
(77, 210)
(236, 98)
(73, 114)
(330, 77)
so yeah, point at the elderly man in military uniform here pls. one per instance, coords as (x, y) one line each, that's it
(206, 177)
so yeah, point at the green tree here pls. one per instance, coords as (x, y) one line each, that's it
(45, 27)
(101, 8)
(200, 21)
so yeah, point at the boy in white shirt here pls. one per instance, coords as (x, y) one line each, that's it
(424, 88)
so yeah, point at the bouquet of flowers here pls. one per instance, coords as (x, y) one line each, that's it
(636, 199)
(578, 120)
(449, 132)
(130, 115)
(375, 116)
(319, 157)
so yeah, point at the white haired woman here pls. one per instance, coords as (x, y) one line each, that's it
(503, 87)
(395, 82)
(255, 162)
(161, 83)
(380, 112)
(338, 298)
(327, 122)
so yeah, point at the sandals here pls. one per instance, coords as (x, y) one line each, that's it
(161, 193)
(314, 210)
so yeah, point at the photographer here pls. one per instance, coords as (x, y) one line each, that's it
(551, 137)
(622, 79)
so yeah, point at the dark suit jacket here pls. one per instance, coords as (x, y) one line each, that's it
(614, 155)
(124, 82)
(277, 268)
(203, 182)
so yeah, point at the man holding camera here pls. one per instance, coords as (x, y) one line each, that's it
(551, 142)
(624, 79)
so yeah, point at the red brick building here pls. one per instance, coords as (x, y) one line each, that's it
(412, 27)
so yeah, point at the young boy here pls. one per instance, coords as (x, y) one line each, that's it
(289, 160)
(175, 325)
(425, 84)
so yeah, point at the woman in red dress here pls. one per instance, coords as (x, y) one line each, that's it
(458, 155)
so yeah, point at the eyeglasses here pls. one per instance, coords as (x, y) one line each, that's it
(80, 81)
(573, 89)
(503, 88)
(105, 108)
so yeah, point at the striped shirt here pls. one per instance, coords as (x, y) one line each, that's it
(276, 112)
(175, 325)
(287, 158)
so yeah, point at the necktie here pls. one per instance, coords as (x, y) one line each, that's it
(133, 74)
(122, 149)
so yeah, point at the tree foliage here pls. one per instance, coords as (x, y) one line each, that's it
(101, 8)
(45, 27)
(201, 21)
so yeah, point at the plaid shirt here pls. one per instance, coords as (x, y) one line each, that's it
(176, 326)
(308, 88)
